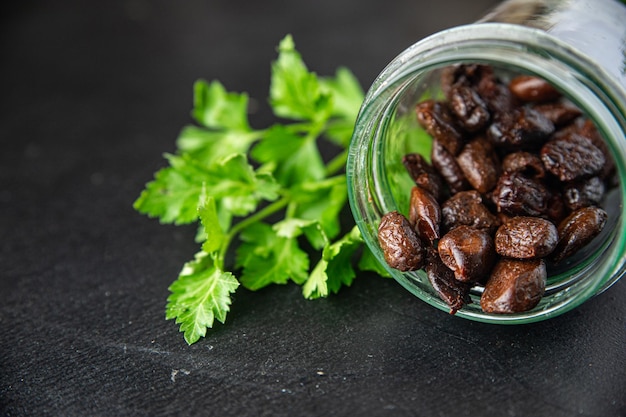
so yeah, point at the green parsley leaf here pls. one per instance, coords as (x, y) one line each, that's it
(296, 159)
(339, 256)
(240, 187)
(347, 97)
(368, 262)
(216, 108)
(346, 92)
(335, 268)
(270, 259)
(295, 92)
(212, 231)
(269, 209)
(199, 296)
(209, 146)
(321, 201)
(411, 139)
(294, 227)
(174, 195)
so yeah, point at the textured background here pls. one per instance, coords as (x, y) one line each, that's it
(91, 95)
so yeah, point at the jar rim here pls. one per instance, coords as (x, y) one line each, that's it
(528, 49)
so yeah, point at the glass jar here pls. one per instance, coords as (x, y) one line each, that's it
(576, 45)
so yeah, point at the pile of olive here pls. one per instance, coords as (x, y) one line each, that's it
(516, 176)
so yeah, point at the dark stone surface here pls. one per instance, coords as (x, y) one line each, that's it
(92, 94)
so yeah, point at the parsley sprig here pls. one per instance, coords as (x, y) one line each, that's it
(230, 178)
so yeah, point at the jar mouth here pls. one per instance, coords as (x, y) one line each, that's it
(376, 186)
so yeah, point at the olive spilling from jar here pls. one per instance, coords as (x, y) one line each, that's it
(516, 177)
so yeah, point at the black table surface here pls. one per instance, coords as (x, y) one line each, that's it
(91, 95)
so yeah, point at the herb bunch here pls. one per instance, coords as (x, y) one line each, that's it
(230, 178)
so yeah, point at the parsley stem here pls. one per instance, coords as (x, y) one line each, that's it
(238, 227)
(337, 163)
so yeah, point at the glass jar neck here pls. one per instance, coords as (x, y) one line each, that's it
(588, 83)
(595, 28)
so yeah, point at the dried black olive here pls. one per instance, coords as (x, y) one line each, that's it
(446, 165)
(424, 175)
(424, 214)
(402, 248)
(467, 208)
(510, 160)
(517, 195)
(526, 238)
(468, 252)
(560, 114)
(469, 108)
(479, 164)
(435, 118)
(455, 293)
(577, 230)
(571, 157)
(521, 129)
(535, 89)
(583, 193)
(515, 285)
(526, 163)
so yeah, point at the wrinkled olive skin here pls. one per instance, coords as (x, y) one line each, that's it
(583, 193)
(467, 208)
(521, 129)
(436, 119)
(517, 195)
(400, 245)
(572, 157)
(469, 108)
(526, 238)
(526, 163)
